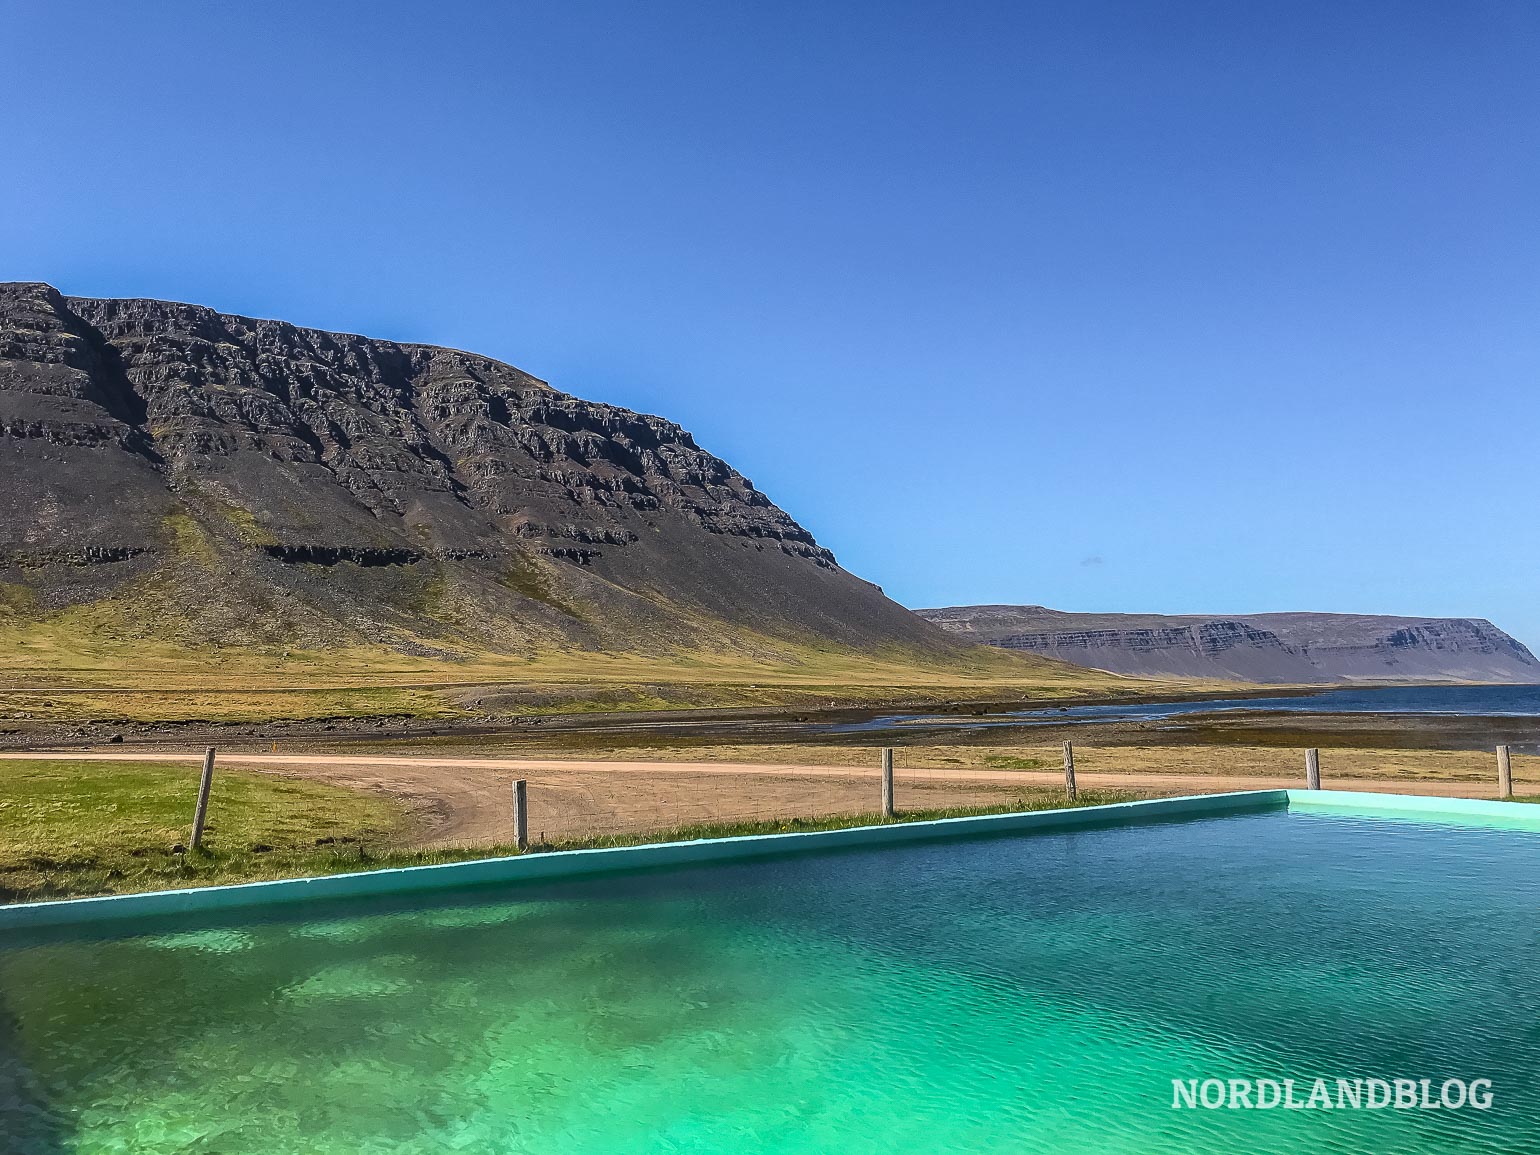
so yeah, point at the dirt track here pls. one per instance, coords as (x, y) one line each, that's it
(465, 801)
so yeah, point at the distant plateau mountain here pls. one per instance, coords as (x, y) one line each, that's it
(1269, 648)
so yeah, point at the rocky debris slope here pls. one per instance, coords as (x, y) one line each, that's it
(1276, 648)
(218, 478)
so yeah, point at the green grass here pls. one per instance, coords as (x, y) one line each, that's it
(1011, 762)
(252, 706)
(524, 576)
(245, 523)
(190, 540)
(71, 829)
(161, 665)
(75, 828)
(1031, 799)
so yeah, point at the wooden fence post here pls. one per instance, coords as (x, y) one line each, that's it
(1312, 769)
(202, 810)
(1504, 773)
(520, 815)
(887, 783)
(1069, 771)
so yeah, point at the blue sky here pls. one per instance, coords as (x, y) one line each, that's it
(1186, 307)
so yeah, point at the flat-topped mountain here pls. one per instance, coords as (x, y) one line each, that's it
(184, 473)
(1279, 648)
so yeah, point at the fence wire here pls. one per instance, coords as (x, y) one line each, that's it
(596, 802)
(90, 827)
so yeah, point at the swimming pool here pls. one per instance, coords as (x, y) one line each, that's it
(1018, 993)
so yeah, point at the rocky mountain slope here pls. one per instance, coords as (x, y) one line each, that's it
(179, 472)
(1278, 648)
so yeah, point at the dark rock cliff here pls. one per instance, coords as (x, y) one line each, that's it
(224, 478)
(1279, 648)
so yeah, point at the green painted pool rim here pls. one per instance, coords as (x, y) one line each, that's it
(565, 864)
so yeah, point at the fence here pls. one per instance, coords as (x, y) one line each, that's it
(575, 804)
(471, 802)
(76, 825)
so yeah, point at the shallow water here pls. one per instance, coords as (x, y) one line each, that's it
(1436, 701)
(1019, 994)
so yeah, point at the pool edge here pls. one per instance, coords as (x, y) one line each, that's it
(1431, 808)
(563, 864)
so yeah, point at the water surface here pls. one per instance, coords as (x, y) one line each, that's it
(1018, 994)
(1435, 701)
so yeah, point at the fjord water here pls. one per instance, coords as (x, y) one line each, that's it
(1014, 994)
(1496, 701)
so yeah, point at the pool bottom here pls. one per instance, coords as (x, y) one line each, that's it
(1014, 994)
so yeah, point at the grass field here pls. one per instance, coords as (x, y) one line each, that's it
(70, 828)
(88, 663)
(218, 688)
(76, 827)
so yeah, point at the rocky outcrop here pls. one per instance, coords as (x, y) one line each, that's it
(1276, 648)
(369, 490)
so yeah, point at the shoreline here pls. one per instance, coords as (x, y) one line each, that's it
(766, 725)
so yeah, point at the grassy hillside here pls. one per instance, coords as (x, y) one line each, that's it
(103, 661)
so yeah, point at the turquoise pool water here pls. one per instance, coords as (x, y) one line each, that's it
(1016, 994)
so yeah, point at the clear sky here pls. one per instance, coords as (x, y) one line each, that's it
(1186, 307)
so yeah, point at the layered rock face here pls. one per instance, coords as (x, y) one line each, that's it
(1276, 648)
(230, 479)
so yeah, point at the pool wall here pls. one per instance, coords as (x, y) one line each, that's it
(625, 859)
(622, 859)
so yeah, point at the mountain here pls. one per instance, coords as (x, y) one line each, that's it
(1254, 647)
(218, 479)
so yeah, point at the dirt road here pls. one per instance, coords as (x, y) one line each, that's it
(465, 801)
